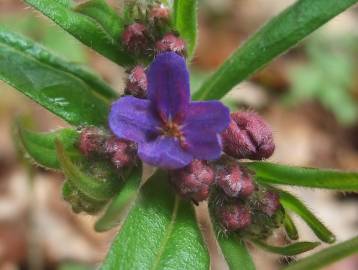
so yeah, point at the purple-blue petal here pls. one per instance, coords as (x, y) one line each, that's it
(164, 152)
(168, 86)
(203, 145)
(203, 123)
(207, 116)
(133, 119)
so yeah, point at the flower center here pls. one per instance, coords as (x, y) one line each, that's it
(171, 129)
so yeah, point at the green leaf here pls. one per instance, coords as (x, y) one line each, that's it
(289, 250)
(46, 57)
(118, 205)
(28, 69)
(327, 256)
(307, 177)
(235, 252)
(103, 14)
(97, 189)
(100, 31)
(290, 227)
(273, 39)
(290, 202)
(186, 22)
(41, 146)
(160, 232)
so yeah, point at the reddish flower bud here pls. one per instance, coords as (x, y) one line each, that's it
(137, 83)
(234, 180)
(159, 14)
(121, 152)
(135, 37)
(248, 136)
(270, 203)
(193, 181)
(91, 141)
(233, 216)
(172, 43)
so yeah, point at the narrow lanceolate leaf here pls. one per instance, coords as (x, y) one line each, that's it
(235, 253)
(273, 39)
(97, 189)
(327, 256)
(160, 232)
(290, 227)
(307, 177)
(46, 57)
(42, 148)
(290, 202)
(67, 96)
(120, 202)
(186, 22)
(289, 250)
(99, 29)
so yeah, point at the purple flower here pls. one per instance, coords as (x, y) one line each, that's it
(169, 129)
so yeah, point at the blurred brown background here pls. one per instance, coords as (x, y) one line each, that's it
(309, 96)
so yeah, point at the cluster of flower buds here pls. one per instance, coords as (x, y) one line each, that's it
(153, 34)
(195, 181)
(95, 142)
(237, 202)
(256, 215)
(146, 39)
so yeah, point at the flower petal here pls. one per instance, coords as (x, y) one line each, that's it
(164, 152)
(203, 145)
(133, 119)
(168, 85)
(201, 128)
(207, 116)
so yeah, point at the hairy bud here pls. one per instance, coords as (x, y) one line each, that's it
(233, 216)
(270, 203)
(248, 136)
(172, 43)
(234, 180)
(193, 181)
(159, 14)
(121, 152)
(137, 83)
(135, 37)
(91, 141)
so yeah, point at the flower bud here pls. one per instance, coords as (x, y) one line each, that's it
(248, 136)
(137, 83)
(172, 43)
(121, 152)
(270, 203)
(234, 180)
(233, 216)
(91, 141)
(135, 37)
(159, 14)
(193, 181)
